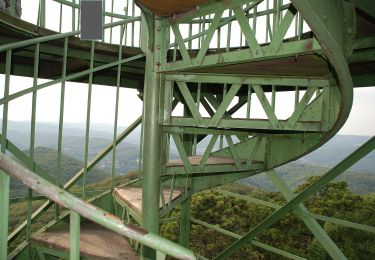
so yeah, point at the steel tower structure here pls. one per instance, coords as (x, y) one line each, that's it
(216, 60)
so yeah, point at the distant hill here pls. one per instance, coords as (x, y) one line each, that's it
(46, 158)
(337, 149)
(360, 178)
(295, 174)
(74, 141)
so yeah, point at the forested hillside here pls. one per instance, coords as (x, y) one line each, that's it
(290, 233)
(46, 158)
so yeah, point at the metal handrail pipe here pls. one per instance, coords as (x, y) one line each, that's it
(90, 212)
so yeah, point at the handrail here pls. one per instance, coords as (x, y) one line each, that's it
(57, 36)
(78, 6)
(99, 216)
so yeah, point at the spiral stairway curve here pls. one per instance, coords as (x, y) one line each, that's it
(174, 60)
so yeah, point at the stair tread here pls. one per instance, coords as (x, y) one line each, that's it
(306, 65)
(132, 196)
(96, 242)
(214, 160)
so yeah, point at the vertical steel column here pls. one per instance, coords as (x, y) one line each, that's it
(13, 7)
(32, 144)
(74, 235)
(115, 123)
(185, 224)
(184, 236)
(61, 123)
(4, 178)
(42, 13)
(88, 115)
(152, 139)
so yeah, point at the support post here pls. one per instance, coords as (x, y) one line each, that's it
(4, 178)
(74, 235)
(152, 144)
(185, 225)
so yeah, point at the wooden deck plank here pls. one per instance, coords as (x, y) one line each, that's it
(96, 242)
(132, 196)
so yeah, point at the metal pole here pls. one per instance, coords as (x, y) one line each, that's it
(90, 212)
(152, 143)
(74, 235)
(184, 238)
(4, 178)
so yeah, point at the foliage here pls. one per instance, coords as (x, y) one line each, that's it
(289, 233)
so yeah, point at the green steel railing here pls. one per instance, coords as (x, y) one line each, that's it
(79, 208)
(45, 11)
(28, 160)
(182, 44)
(129, 11)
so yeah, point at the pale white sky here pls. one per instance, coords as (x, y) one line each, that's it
(360, 122)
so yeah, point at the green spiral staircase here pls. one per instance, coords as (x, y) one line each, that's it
(203, 69)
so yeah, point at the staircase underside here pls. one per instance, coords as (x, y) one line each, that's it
(13, 30)
(96, 242)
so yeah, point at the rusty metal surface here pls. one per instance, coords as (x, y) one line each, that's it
(169, 7)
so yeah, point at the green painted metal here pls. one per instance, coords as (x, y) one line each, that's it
(90, 212)
(88, 115)
(77, 176)
(191, 70)
(4, 178)
(61, 122)
(74, 236)
(152, 145)
(67, 78)
(116, 107)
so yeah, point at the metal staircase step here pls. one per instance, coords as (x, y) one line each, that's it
(132, 197)
(214, 160)
(96, 242)
(214, 164)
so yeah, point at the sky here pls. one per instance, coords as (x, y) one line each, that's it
(360, 122)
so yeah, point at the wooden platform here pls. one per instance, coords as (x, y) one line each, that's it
(96, 242)
(195, 160)
(132, 196)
